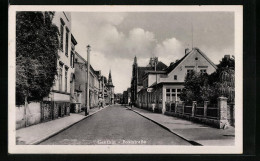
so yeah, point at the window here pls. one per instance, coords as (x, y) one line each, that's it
(175, 77)
(168, 95)
(72, 60)
(60, 77)
(178, 94)
(61, 34)
(66, 79)
(203, 71)
(67, 42)
(172, 94)
(189, 71)
(168, 98)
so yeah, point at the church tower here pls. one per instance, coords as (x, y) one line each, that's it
(110, 88)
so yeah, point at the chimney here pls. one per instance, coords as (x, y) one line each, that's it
(227, 56)
(186, 51)
(156, 60)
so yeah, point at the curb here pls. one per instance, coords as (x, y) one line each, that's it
(166, 128)
(56, 132)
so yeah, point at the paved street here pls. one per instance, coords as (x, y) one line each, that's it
(116, 125)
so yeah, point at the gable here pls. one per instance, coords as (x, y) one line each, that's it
(195, 60)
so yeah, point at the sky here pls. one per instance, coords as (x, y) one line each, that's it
(117, 37)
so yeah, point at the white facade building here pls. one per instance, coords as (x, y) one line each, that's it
(63, 89)
(164, 86)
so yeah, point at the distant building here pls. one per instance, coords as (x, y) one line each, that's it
(81, 82)
(110, 90)
(125, 97)
(118, 98)
(139, 72)
(165, 85)
(128, 95)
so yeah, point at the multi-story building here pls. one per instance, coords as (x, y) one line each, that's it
(81, 82)
(139, 72)
(63, 89)
(164, 86)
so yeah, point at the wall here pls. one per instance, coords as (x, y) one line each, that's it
(33, 115)
(152, 79)
(189, 63)
(61, 97)
(80, 80)
(66, 17)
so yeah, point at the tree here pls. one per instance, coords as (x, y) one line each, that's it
(226, 62)
(226, 85)
(196, 88)
(202, 87)
(37, 42)
(222, 81)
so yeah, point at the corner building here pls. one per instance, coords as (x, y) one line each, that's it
(160, 87)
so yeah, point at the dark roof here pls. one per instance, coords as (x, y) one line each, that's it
(168, 83)
(174, 65)
(96, 72)
(73, 40)
(161, 66)
(142, 71)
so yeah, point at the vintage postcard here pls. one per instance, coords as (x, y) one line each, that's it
(125, 80)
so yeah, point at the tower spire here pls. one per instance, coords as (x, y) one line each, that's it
(109, 76)
(135, 60)
(110, 82)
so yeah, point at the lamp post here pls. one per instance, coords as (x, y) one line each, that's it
(88, 61)
(103, 91)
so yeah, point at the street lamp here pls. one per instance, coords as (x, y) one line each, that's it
(103, 92)
(88, 61)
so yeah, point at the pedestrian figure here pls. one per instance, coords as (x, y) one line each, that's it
(99, 104)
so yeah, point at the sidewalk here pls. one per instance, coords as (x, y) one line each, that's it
(37, 133)
(193, 132)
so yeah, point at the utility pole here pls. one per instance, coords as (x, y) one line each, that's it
(103, 101)
(88, 61)
(192, 35)
(155, 64)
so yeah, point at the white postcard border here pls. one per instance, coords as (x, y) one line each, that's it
(126, 149)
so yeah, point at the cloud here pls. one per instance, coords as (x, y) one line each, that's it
(215, 55)
(115, 39)
(169, 50)
(115, 50)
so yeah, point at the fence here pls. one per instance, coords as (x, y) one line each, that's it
(218, 115)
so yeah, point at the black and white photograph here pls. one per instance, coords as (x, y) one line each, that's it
(125, 79)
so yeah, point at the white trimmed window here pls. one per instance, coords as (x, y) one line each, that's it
(60, 77)
(66, 79)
